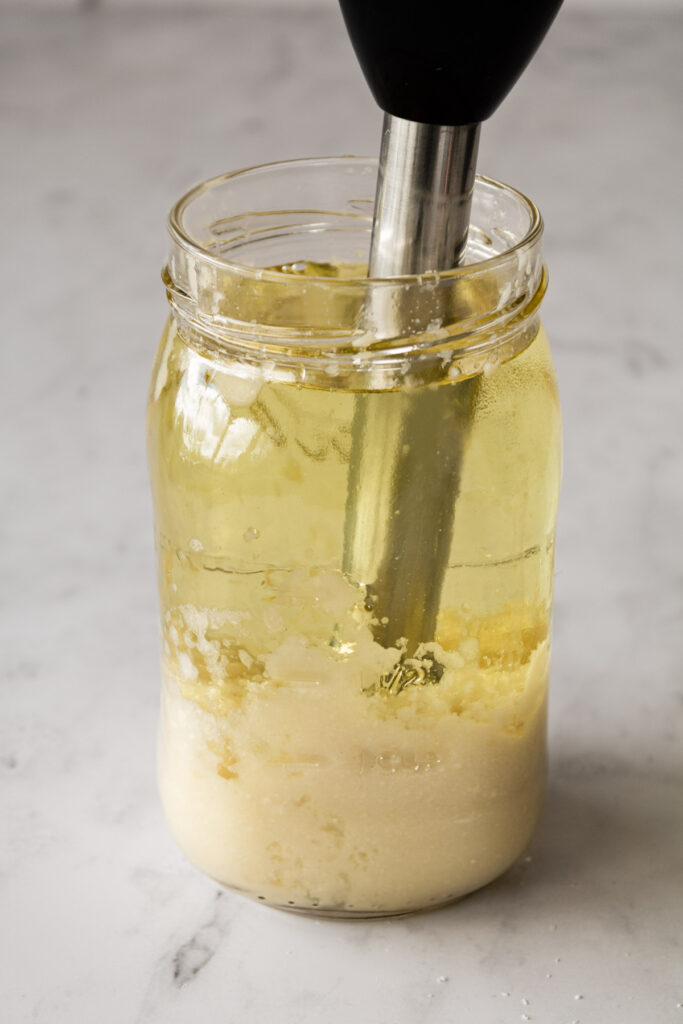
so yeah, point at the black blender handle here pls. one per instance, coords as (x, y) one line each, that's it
(445, 62)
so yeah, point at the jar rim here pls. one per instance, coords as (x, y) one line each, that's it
(182, 237)
(233, 288)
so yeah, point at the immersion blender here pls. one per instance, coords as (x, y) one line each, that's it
(437, 69)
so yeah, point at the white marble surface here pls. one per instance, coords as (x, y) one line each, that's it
(107, 117)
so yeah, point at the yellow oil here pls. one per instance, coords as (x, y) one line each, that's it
(250, 480)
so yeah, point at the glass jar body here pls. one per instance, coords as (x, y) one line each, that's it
(308, 756)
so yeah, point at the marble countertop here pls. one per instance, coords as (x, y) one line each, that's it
(107, 118)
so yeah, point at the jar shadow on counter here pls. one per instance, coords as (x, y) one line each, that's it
(607, 830)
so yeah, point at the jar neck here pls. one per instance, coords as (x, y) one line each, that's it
(266, 266)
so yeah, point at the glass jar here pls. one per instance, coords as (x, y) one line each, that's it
(355, 487)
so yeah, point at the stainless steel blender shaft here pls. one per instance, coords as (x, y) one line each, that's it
(424, 194)
(402, 492)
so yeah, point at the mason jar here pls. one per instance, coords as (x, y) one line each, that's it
(355, 486)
